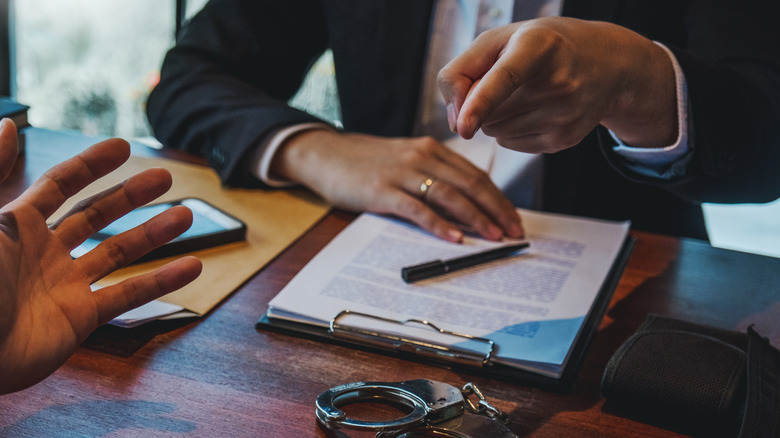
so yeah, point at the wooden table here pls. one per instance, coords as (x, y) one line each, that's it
(219, 376)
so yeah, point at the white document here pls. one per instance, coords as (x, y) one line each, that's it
(150, 311)
(532, 305)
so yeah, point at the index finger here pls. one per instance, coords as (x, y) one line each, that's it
(519, 61)
(66, 179)
(459, 76)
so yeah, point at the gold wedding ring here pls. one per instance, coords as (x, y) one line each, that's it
(424, 186)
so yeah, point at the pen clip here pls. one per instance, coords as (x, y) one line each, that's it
(418, 347)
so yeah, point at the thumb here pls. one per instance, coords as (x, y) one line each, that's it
(454, 86)
(517, 61)
(8, 147)
(461, 75)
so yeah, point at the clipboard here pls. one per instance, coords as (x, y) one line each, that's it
(391, 345)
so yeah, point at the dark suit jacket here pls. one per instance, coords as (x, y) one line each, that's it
(225, 84)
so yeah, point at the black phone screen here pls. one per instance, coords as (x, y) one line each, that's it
(210, 227)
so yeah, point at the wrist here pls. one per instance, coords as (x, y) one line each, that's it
(300, 156)
(645, 110)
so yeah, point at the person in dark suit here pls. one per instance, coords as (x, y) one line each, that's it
(225, 85)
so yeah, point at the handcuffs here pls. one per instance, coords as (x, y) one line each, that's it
(437, 410)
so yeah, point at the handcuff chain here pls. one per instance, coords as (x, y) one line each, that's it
(482, 406)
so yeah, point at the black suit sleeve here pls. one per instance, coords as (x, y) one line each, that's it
(226, 83)
(728, 52)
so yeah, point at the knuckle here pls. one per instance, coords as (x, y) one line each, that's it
(376, 184)
(65, 186)
(446, 78)
(133, 299)
(476, 178)
(94, 216)
(113, 254)
(411, 208)
(443, 191)
(81, 206)
(419, 150)
(428, 144)
(565, 82)
(508, 75)
(546, 37)
(414, 151)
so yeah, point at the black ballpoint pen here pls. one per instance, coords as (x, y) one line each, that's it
(435, 268)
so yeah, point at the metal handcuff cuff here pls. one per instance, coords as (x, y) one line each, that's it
(437, 410)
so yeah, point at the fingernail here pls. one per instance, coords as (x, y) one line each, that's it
(452, 117)
(516, 226)
(469, 127)
(455, 235)
(494, 232)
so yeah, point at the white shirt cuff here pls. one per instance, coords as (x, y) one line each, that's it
(670, 161)
(264, 155)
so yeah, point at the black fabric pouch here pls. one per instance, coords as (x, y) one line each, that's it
(682, 373)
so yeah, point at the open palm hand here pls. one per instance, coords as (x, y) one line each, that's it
(48, 305)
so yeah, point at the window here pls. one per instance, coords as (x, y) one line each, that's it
(89, 65)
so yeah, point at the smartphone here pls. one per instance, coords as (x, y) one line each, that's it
(210, 227)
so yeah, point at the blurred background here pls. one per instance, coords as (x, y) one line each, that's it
(89, 65)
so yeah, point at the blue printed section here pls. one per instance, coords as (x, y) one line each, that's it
(545, 342)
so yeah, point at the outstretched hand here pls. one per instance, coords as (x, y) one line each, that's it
(48, 306)
(542, 85)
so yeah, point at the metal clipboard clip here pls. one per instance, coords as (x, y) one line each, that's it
(409, 344)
